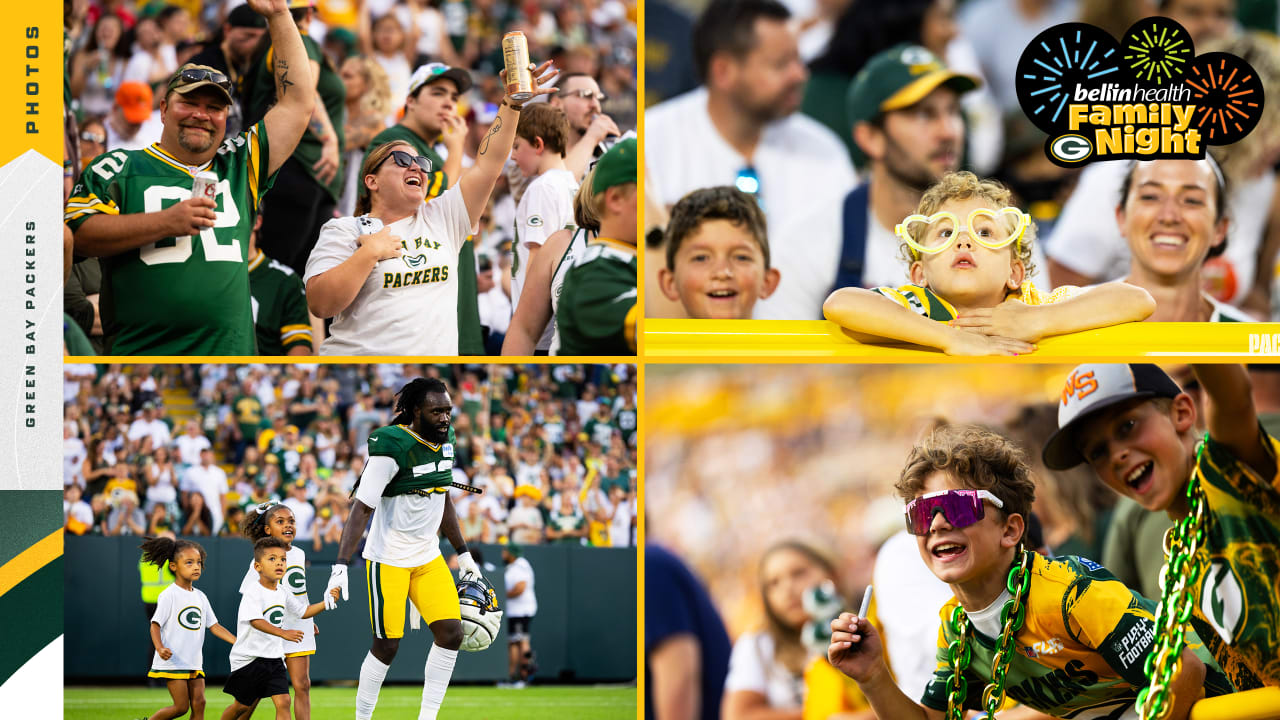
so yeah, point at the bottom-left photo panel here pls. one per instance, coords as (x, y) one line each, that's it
(331, 541)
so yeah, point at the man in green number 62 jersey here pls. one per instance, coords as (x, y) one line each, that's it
(175, 278)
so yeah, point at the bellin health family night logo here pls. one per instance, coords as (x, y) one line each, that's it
(1148, 96)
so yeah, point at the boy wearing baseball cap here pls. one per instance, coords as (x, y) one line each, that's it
(1061, 636)
(970, 256)
(1137, 429)
(597, 312)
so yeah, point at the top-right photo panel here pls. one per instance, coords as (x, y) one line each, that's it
(993, 177)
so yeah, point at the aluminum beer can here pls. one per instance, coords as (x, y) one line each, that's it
(515, 55)
(205, 185)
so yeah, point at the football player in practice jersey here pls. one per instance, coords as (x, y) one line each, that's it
(1061, 636)
(407, 481)
(174, 266)
(1137, 429)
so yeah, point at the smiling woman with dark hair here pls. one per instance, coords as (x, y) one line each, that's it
(388, 277)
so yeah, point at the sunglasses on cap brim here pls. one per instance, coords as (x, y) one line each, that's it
(961, 508)
(190, 76)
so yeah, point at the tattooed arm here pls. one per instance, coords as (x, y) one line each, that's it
(295, 88)
(477, 183)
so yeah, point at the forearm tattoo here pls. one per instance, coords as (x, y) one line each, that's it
(497, 125)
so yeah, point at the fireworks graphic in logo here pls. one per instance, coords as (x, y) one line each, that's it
(1228, 96)
(1055, 62)
(1158, 50)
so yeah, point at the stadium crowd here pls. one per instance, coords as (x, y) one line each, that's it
(422, 72)
(189, 448)
(836, 117)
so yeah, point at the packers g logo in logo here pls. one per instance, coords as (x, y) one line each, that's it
(1070, 148)
(189, 618)
(274, 615)
(1221, 600)
(295, 578)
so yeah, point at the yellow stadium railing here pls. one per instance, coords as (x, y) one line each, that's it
(796, 339)
(1260, 704)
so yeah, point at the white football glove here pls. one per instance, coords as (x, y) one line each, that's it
(479, 628)
(466, 566)
(338, 579)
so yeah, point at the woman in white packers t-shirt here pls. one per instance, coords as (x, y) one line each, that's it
(388, 277)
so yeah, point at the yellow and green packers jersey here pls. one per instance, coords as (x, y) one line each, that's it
(470, 338)
(280, 316)
(923, 301)
(186, 295)
(597, 311)
(422, 467)
(1079, 654)
(1238, 608)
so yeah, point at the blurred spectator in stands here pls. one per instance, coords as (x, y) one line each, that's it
(988, 23)
(230, 50)
(154, 59)
(580, 98)
(98, 69)
(368, 107)
(149, 425)
(133, 124)
(1204, 19)
(386, 42)
(161, 482)
(202, 489)
(525, 522)
(124, 518)
(77, 514)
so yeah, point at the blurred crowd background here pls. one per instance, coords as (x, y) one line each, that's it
(790, 95)
(189, 448)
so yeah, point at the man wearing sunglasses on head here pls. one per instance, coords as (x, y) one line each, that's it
(174, 272)
(389, 276)
(1061, 636)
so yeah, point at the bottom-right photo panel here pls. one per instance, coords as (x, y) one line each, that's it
(962, 541)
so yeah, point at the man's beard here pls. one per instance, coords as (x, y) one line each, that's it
(193, 147)
(916, 176)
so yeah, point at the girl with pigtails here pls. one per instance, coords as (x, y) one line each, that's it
(182, 615)
(272, 519)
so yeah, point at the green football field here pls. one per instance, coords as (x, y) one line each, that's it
(396, 702)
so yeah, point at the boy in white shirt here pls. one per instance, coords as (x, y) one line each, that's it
(547, 203)
(257, 658)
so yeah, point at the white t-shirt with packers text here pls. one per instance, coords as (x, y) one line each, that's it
(408, 305)
(295, 582)
(183, 616)
(260, 603)
(547, 206)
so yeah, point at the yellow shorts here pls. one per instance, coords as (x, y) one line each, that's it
(176, 674)
(429, 586)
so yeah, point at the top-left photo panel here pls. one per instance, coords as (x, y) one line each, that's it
(392, 178)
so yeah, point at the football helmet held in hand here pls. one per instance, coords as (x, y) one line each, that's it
(481, 617)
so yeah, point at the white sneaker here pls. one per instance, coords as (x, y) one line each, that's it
(519, 685)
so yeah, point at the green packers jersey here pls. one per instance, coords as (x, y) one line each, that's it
(470, 338)
(1080, 652)
(177, 296)
(1238, 608)
(423, 467)
(280, 315)
(597, 312)
(330, 91)
(923, 301)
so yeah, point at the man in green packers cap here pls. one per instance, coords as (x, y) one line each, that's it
(904, 106)
(597, 311)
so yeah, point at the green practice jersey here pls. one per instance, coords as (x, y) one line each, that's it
(470, 339)
(1080, 652)
(597, 311)
(423, 467)
(177, 296)
(1239, 607)
(280, 314)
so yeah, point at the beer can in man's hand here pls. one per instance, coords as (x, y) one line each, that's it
(205, 185)
(515, 55)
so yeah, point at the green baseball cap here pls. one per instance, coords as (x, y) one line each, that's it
(898, 78)
(615, 167)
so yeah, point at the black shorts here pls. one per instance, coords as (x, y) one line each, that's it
(261, 678)
(518, 628)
